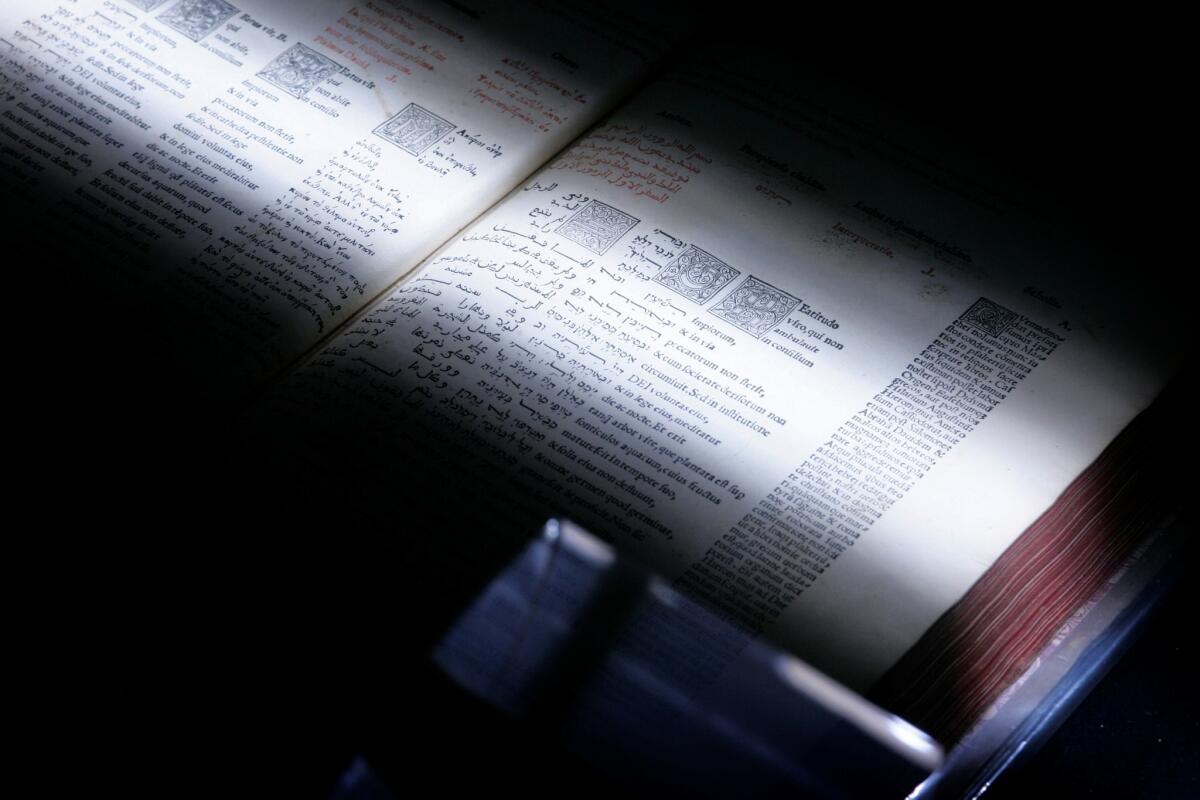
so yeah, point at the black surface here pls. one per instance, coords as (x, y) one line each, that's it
(1137, 734)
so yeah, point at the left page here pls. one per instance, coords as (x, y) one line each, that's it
(220, 184)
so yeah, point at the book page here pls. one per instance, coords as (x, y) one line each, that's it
(803, 370)
(245, 175)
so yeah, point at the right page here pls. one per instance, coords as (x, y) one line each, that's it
(748, 333)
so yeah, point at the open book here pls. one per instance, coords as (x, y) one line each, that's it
(466, 266)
